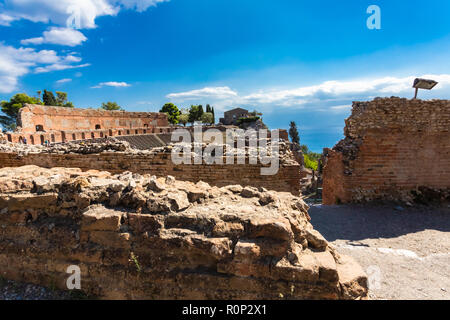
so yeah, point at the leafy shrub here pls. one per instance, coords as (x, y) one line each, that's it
(248, 119)
(310, 163)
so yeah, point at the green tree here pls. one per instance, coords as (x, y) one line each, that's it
(200, 112)
(110, 106)
(207, 117)
(11, 109)
(49, 98)
(310, 163)
(172, 111)
(214, 116)
(183, 119)
(61, 100)
(193, 114)
(293, 133)
(305, 148)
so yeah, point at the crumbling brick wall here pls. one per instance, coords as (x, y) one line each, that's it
(394, 149)
(160, 164)
(57, 118)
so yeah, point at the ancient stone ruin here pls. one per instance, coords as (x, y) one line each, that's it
(118, 156)
(394, 149)
(104, 194)
(141, 237)
(37, 124)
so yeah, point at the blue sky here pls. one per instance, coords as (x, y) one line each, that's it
(293, 60)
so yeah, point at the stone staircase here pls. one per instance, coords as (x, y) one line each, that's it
(147, 141)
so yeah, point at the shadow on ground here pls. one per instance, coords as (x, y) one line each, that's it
(359, 222)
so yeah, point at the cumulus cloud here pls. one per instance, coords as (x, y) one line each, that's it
(325, 94)
(70, 13)
(17, 62)
(111, 84)
(67, 15)
(61, 36)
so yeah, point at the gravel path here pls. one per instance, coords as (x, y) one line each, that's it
(404, 251)
(13, 290)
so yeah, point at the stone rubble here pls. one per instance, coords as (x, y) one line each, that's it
(139, 237)
(111, 144)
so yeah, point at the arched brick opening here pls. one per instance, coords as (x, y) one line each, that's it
(52, 137)
(39, 127)
(97, 127)
(31, 139)
(42, 139)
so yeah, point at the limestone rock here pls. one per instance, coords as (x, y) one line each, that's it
(138, 237)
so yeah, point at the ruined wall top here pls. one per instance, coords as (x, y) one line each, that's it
(50, 118)
(398, 114)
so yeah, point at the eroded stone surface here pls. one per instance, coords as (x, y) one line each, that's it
(138, 236)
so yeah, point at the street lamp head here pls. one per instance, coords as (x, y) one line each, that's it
(423, 84)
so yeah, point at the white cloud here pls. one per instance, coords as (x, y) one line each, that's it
(208, 92)
(17, 62)
(62, 81)
(72, 58)
(68, 15)
(5, 20)
(61, 36)
(78, 13)
(139, 5)
(111, 84)
(59, 67)
(325, 94)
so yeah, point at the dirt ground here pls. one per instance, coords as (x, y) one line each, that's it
(404, 251)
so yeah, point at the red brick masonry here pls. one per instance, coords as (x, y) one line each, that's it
(395, 149)
(57, 124)
(160, 164)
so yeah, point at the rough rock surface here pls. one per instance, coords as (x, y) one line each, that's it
(112, 144)
(136, 236)
(84, 147)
